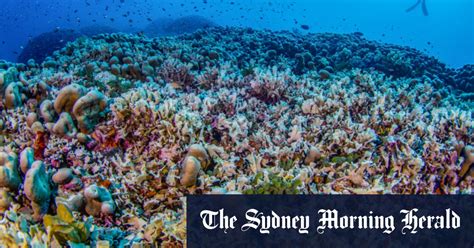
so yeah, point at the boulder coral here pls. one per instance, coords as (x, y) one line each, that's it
(313, 154)
(9, 171)
(27, 158)
(31, 118)
(63, 176)
(6, 77)
(196, 159)
(37, 189)
(13, 97)
(37, 127)
(191, 168)
(198, 151)
(47, 111)
(65, 127)
(89, 109)
(466, 167)
(98, 201)
(3, 80)
(67, 97)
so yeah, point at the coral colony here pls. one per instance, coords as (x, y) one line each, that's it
(101, 142)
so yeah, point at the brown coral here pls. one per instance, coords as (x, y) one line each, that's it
(65, 127)
(89, 109)
(67, 97)
(9, 171)
(98, 201)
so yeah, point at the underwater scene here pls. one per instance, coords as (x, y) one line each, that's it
(112, 111)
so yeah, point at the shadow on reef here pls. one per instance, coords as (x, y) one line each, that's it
(186, 24)
(43, 45)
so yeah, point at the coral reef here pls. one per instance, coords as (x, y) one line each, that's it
(114, 130)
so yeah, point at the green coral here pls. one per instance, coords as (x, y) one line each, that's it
(287, 164)
(349, 158)
(275, 185)
(65, 229)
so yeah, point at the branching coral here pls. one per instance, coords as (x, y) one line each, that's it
(270, 86)
(176, 73)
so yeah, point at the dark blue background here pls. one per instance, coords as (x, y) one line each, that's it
(294, 205)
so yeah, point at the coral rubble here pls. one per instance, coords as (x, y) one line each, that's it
(100, 143)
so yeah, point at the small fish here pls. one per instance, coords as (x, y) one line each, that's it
(304, 27)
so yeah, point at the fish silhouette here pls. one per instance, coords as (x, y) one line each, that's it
(423, 7)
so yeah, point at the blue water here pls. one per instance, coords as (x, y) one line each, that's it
(446, 33)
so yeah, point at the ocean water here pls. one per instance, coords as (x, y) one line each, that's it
(447, 31)
(113, 111)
